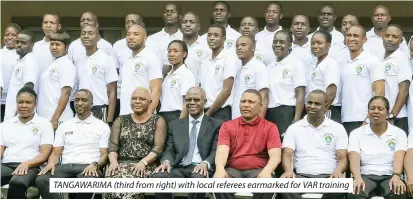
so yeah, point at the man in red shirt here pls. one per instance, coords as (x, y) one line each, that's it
(253, 142)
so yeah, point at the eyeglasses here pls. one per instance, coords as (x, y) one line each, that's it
(196, 100)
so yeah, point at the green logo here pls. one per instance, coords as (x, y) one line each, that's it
(285, 72)
(359, 69)
(313, 75)
(35, 130)
(328, 138)
(391, 144)
(94, 69)
(199, 52)
(388, 67)
(247, 78)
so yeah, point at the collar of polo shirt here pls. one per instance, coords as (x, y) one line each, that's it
(177, 32)
(359, 57)
(87, 120)
(94, 55)
(326, 122)
(15, 119)
(177, 70)
(371, 33)
(388, 132)
(255, 122)
(59, 58)
(394, 54)
(268, 32)
(140, 54)
(246, 66)
(219, 56)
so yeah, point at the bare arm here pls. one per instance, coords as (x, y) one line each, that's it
(61, 105)
(354, 158)
(398, 161)
(341, 161)
(222, 96)
(114, 141)
(378, 88)
(299, 102)
(408, 163)
(159, 143)
(221, 156)
(2, 148)
(156, 90)
(401, 98)
(331, 94)
(55, 155)
(112, 101)
(264, 106)
(45, 150)
(103, 157)
(287, 156)
(275, 159)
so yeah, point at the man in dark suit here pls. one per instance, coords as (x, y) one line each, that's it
(191, 144)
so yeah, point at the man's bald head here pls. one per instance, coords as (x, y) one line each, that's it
(197, 88)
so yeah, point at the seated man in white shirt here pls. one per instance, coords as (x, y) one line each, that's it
(319, 146)
(81, 143)
(25, 143)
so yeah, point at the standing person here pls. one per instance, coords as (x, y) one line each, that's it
(176, 83)
(56, 82)
(325, 75)
(380, 18)
(218, 74)
(25, 73)
(301, 46)
(410, 99)
(348, 21)
(140, 69)
(251, 75)
(221, 12)
(136, 141)
(97, 73)
(273, 15)
(398, 73)
(362, 77)
(41, 49)
(287, 82)
(8, 59)
(25, 143)
(376, 152)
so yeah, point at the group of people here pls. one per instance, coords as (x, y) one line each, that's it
(178, 104)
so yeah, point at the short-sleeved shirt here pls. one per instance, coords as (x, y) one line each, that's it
(138, 71)
(410, 104)
(8, 59)
(323, 75)
(41, 51)
(82, 140)
(162, 40)
(24, 72)
(60, 73)
(174, 87)
(377, 153)
(249, 143)
(252, 75)
(197, 52)
(95, 73)
(357, 76)
(265, 39)
(1, 79)
(264, 56)
(304, 54)
(375, 45)
(77, 51)
(23, 141)
(315, 149)
(215, 72)
(397, 69)
(283, 78)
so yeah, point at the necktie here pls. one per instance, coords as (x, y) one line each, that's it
(192, 142)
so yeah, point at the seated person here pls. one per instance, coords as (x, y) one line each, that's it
(136, 141)
(191, 144)
(319, 146)
(248, 146)
(82, 144)
(376, 153)
(25, 143)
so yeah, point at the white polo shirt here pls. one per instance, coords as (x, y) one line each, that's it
(197, 52)
(23, 141)
(304, 54)
(283, 78)
(174, 87)
(59, 74)
(377, 153)
(397, 69)
(374, 43)
(252, 75)
(315, 149)
(8, 59)
(138, 71)
(323, 75)
(82, 140)
(357, 76)
(410, 104)
(1, 79)
(77, 51)
(41, 51)
(95, 73)
(25, 71)
(263, 55)
(214, 72)
(230, 40)
(162, 40)
(410, 137)
(265, 39)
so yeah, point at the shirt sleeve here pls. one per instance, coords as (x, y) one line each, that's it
(401, 140)
(155, 68)
(104, 139)
(47, 136)
(273, 138)
(31, 69)
(230, 67)
(299, 78)
(376, 70)
(111, 74)
(187, 81)
(404, 47)
(224, 136)
(332, 75)
(70, 51)
(354, 141)
(405, 71)
(410, 140)
(289, 138)
(342, 138)
(261, 77)
(59, 139)
(67, 75)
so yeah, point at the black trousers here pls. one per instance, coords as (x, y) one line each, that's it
(100, 112)
(402, 123)
(2, 109)
(64, 171)
(376, 186)
(179, 172)
(18, 185)
(335, 113)
(72, 106)
(234, 173)
(117, 109)
(170, 116)
(325, 196)
(223, 114)
(350, 126)
(282, 116)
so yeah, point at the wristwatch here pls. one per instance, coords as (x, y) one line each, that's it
(96, 164)
(397, 174)
(391, 116)
(144, 162)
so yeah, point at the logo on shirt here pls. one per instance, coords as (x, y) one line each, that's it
(173, 83)
(216, 69)
(69, 133)
(258, 57)
(94, 69)
(388, 67)
(17, 71)
(359, 69)
(391, 143)
(328, 138)
(229, 43)
(285, 72)
(313, 75)
(137, 67)
(199, 52)
(52, 71)
(247, 78)
(35, 130)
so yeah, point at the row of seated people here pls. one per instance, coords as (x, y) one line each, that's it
(142, 145)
